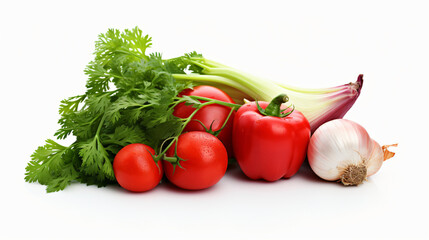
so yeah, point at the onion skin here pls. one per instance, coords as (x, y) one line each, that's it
(377, 158)
(340, 145)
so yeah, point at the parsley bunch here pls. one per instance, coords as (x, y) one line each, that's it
(129, 99)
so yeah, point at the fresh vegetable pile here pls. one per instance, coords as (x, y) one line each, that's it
(143, 117)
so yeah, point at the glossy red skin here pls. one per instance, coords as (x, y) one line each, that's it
(206, 161)
(208, 114)
(135, 169)
(269, 147)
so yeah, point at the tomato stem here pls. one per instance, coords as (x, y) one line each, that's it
(170, 159)
(214, 101)
(210, 129)
(176, 159)
(216, 133)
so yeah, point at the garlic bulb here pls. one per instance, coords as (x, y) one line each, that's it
(342, 150)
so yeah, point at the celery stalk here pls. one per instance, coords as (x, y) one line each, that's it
(318, 105)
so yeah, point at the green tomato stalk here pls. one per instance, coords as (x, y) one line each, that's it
(317, 105)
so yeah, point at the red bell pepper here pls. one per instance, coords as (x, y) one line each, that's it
(269, 142)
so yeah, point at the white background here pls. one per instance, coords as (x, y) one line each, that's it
(45, 46)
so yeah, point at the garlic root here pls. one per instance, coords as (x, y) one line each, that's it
(354, 175)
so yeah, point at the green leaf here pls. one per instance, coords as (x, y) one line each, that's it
(128, 99)
(136, 42)
(157, 134)
(114, 51)
(190, 101)
(50, 165)
(71, 104)
(95, 160)
(99, 78)
(124, 102)
(98, 103)
(124, 135)
(183, 64)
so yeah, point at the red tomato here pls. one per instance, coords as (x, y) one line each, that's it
(135, 169)
(214, 113)
(205, 162)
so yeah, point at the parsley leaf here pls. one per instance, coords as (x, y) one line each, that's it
(128, 99)
(52, 165)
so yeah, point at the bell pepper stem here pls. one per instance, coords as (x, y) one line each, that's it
(274, 107)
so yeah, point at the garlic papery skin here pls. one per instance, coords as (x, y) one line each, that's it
(376, 160)
(342, 150)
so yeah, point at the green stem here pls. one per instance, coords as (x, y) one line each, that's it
(216, 133)
(214, 101)
(193, 114)
(210, 129)
(236, 75)
(188, 119)
(170, 159)
(210, 101)
(210, 79)
(177, 103)
(209, 63)
(100, 125)
(274, 107)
